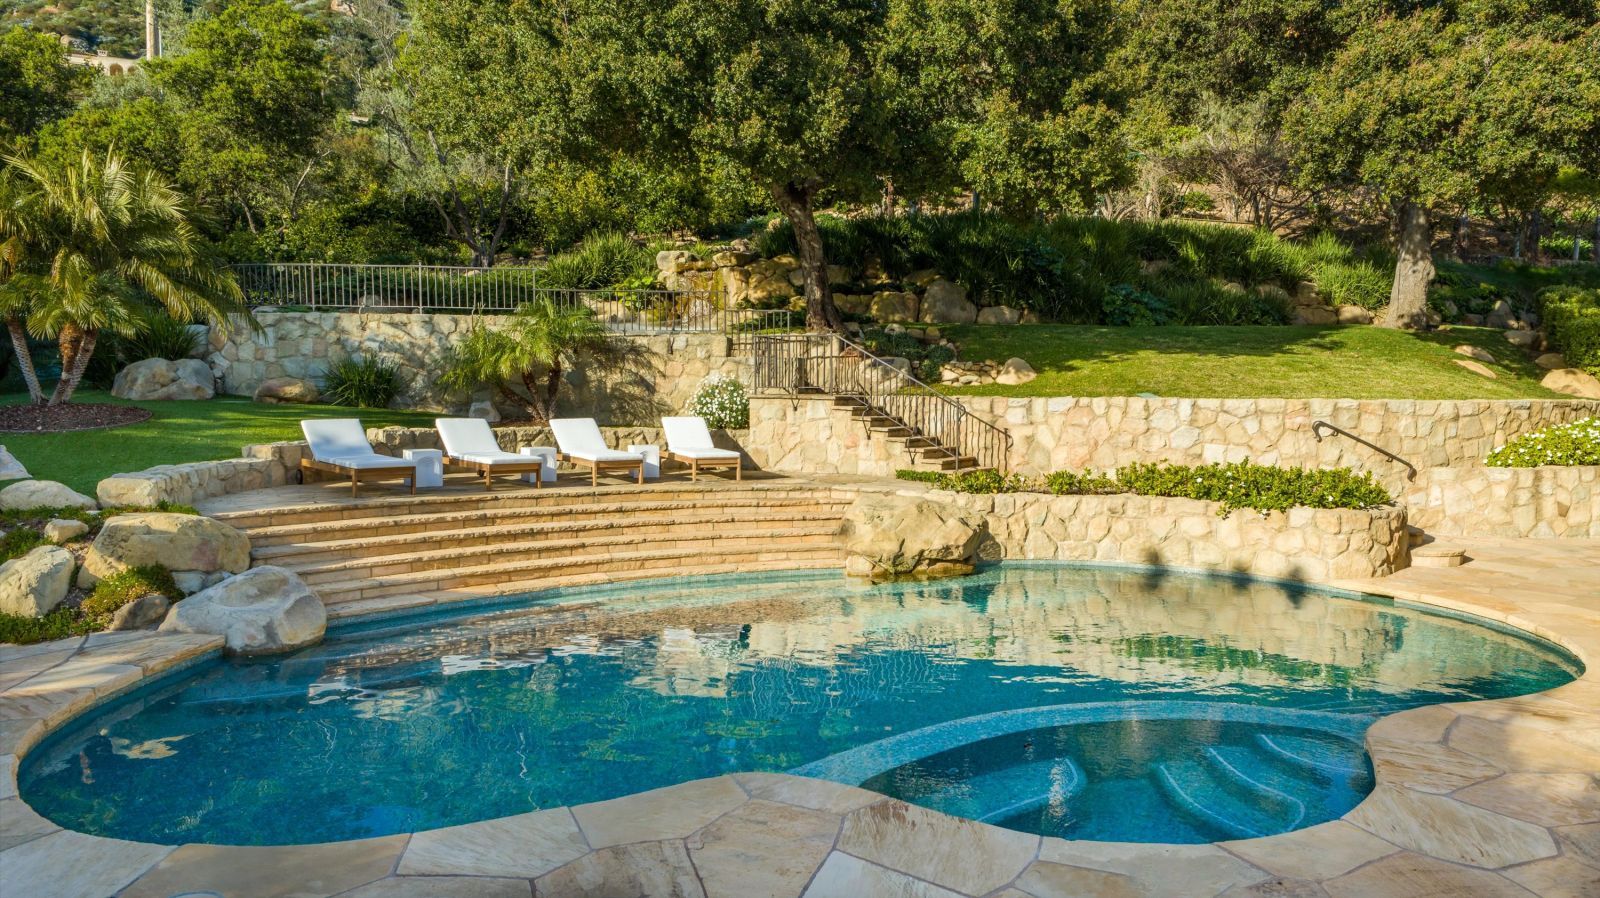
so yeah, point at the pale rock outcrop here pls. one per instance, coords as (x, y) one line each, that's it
(1573, 382)
(1501, 315)
(284, 390)
(1351, 314)
(945, 302)
(28, 494)
(1522, 339)
(162, 379)
(59, 530)
(894, 306)
(890, 535)
(141, 613)
(178, 542)
(33, 585)
(1473, 352)
(10, 468)
(1315, 315)
(1015, 371)
(1551, 360)
(262, 611)
(1476, 368)
(999, 315)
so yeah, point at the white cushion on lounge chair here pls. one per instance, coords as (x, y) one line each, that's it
(470, 439)
(580, 438)
(689, 437)
(342, 442)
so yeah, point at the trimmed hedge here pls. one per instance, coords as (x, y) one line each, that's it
(1572, 322)
(1239, 485)
(1577, 443)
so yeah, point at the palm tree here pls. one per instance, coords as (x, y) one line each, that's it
(18, 288)
(525, 360)
(105, 239)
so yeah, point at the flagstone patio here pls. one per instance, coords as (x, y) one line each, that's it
(1497, 798)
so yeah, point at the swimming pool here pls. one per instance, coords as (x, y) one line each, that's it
(1092, 703)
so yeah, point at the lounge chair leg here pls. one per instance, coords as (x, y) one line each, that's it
(738, 469)
(641, 475)
(354, 482)
(413, 484)
(488, 480)
(538, 478)
(694, 470)
(594, 475)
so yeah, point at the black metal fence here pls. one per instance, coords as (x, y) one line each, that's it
(315, 286)
(796, 364)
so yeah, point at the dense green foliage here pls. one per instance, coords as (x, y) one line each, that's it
(523, 360)
(39, 86)
(1235, 486)
(362, 382)
(19, 541)
(18, 629)
(118, 589)
(1572, 320)
(1577, 443)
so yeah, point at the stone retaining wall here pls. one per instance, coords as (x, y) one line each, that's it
(1506, 502)
(1301, 544)
(1100, 433)
(264, 465)
(659, 379)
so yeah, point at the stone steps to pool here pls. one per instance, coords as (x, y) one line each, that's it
(414, 560)
(385, 550)
(1001, 794)
(1264, 787)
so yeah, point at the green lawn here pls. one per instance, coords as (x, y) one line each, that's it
(1286, 362)
(176, 432)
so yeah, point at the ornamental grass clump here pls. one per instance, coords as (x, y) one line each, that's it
(722, 401)
(1577, 443)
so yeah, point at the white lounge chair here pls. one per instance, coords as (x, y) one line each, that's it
(689, 441)
(339, 446)
(580, 442)
(470, 444)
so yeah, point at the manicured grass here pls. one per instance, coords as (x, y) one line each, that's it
(1228, 362)
(176, 432)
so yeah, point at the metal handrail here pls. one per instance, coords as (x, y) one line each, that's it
(797, 364)
(447, 289)
(1319, 425)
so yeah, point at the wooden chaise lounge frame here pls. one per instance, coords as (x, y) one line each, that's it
(460, 434)
(343, 449)
(580, 443)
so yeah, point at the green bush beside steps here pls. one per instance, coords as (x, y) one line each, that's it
(1261, 488)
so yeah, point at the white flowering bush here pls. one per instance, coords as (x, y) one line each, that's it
(722, 401)
(1577, 443)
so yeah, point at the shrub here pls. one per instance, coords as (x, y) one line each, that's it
(918, 476)
(159, 336)
(1239, 485)
(118, 589)
(1577, 443)
(18, 629)
(721, 400)
(18, 542)
(1128, 306)
(602, 261)
(926, 359)
(362, 382)
(1572, 322)
(1259, 487)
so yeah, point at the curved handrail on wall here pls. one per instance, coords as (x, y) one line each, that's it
(1316, 432)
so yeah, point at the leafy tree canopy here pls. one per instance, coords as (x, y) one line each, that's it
(37, 84)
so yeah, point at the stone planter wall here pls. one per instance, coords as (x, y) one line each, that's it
(1075, 433)
(1301, 544)
(268, 464)
(658, 380)
(1507, 502)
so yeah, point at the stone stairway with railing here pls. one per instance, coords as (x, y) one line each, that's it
(390, 552)
(930, 430)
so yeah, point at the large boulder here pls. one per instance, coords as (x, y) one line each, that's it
(890, 535)
(895, 306)
(1573, 382)
(999, 315)
(279, 390)
(1501, 315)
(35, 584)
(178, 542)
(262, 611)
(1522, 339)
(43, 494)
(141, 613)
(1015, 372)
(945, 302)
(10, 468)
(1473, 352)
(162, 379)
(1352, 314)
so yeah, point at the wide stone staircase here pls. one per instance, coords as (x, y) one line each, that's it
(391, 552)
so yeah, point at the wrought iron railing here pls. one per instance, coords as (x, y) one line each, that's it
(317, 286)
(796, 364)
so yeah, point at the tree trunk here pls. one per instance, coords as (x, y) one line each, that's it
(1535, 236)
(71, 375)
(795, 203)
(552, 388)
(19, 344)
(1596, 247)
(1413, 271)
(1458, 238)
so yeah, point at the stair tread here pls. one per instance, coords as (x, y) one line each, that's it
(625, 539)
(1005, 793)
(1194, 788)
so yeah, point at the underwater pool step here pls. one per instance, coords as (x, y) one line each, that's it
(1212, 798)
(656, 562)
(425, 558)
(1005, 793)
(339, 544)
(1331, 759)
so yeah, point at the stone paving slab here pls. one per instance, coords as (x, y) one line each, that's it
(1495, 798)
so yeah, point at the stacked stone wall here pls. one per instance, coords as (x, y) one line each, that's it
(1506, 502)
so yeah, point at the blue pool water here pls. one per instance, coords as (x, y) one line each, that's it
(1094, 703)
